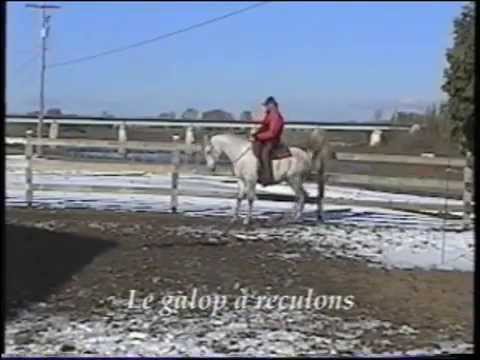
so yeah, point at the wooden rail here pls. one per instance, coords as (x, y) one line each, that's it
(406, 183)
(466, 186)
(175, 191)
(146, 190)
(113, 144)
(401, 159)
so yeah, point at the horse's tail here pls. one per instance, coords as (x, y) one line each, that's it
(319, 150)
(318, 147)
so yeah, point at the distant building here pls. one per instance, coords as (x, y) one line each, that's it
(167, 115)
(54, 112)
(107, 115)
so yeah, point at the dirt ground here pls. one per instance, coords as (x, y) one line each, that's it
(73, 259)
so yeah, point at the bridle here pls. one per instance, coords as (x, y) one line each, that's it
(235, 160)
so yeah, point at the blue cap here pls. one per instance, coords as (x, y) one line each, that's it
(270, 100)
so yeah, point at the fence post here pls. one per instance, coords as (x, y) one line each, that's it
(321, 188)
(376, 137)
(28, 169)
(189, 140)
(122, 139)
(468, 187)
(53, 132)
(175, 165)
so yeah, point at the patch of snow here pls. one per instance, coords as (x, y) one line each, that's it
(233, 332)
(378, 236)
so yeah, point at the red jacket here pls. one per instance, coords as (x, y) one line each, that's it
(271, 128)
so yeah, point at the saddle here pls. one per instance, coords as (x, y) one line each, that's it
(265, 171)
(279, 151)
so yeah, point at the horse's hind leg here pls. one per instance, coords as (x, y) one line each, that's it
(302, 200)
(300, 195)
(251, 197)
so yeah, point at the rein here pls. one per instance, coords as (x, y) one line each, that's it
(242, 154)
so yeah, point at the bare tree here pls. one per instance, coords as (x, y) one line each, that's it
(246, 116)
(217, 114)
(377, 115)
(190, 114)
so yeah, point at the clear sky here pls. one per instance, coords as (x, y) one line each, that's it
(323, 61)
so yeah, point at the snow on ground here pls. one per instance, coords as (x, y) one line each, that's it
(377, 236)
(127, 332)
(16, 165)
(377, 245)
(380, 236)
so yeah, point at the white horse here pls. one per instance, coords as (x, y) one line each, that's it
(293, 169)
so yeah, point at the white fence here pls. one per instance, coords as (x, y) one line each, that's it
(174, 191)
(22, 119)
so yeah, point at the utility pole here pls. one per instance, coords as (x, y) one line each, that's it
(44, 35)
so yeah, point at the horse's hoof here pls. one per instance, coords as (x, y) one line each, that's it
(286, 220)
(292, 217)
(248, 227)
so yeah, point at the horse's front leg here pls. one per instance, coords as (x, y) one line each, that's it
(251, 198)
(240, 196)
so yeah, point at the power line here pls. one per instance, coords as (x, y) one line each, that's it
(157, 38)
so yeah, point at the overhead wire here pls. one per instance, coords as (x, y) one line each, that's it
(157, 38)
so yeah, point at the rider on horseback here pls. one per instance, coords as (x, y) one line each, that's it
(265, 138)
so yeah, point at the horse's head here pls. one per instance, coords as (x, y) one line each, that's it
(212, 154)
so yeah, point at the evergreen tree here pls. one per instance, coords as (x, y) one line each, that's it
(459, 78)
